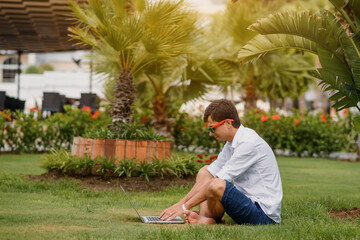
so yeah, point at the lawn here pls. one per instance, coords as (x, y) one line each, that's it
(63, 210)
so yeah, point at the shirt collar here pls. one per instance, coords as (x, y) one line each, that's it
(238, 135)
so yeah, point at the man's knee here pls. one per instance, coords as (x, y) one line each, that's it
(203, 174)
(216, 188)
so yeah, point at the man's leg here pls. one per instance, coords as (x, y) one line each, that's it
(212, 208)
(202, 177)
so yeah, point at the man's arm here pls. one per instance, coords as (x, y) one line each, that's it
(202, 182)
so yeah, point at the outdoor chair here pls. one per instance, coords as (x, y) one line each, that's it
(2, 100)
(90, 100)
(52, 103)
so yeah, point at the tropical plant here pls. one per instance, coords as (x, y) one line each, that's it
(106, 166)
(129, 35)
(332, 35)
(275, 76)
(125, 168)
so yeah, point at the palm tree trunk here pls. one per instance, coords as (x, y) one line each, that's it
(250, 96)
(273, 102)
(162, 123)
(124, 97)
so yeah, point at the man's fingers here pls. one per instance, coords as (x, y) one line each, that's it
(164, 213)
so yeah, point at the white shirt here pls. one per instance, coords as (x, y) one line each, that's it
(250, 164)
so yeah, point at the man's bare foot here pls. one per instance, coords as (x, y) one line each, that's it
(194, 218)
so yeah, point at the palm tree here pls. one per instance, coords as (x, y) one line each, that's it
(129, 35)
(181, 79)
(275, 76)
(333, 36)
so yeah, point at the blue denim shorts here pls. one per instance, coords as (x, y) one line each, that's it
(241, 209)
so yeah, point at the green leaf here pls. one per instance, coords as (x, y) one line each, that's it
(322, 28)
(331, 82)
(336, 96)
(356, 123)
(355, 40)
(343, 103)
(355, 6)
(339, 3)
(353, 58)
(335, 65)
(262, 44)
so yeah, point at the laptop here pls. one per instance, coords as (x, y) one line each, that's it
(152, 219)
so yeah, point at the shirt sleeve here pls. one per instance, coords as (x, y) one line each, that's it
(243, 158)
(223, 156)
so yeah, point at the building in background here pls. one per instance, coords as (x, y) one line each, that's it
(70, 76)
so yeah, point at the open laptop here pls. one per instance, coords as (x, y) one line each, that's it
(152, 219)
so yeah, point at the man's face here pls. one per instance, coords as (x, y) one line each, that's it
(221, 131)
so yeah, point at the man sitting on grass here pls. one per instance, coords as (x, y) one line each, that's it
(244, 181)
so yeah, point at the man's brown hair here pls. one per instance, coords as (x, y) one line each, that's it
(220, 110)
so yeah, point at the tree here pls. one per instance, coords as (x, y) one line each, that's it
(129, 35)
(275, 76)
(331, 35)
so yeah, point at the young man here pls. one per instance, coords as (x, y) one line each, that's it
(244, 181)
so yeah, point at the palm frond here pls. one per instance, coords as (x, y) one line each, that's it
(353, 59)
(262, 44)
(345, 94)
(322, 28)
(355, 6)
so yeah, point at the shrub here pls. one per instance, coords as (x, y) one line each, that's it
(190, 132)
(29, 133)
(64, 163)
(301, 134)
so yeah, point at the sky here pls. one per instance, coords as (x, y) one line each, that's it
(207, 6)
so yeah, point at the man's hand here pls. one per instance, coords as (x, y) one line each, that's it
(172, 212)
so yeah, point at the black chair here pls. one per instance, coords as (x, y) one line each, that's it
(52, 102)
(20, 104)
(10, 103)
(90, 100)
(2, 100)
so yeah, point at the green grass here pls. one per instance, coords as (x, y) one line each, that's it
(63, 210)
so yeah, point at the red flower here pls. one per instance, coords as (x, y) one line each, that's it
(213, 157)
(275, 117)
(323, 118)
(206, 155)
(86, 109)
(181, 129)
(33, 109)
(143, 119)
(276, 130)
(6, 116)
(208, 161)
(96, 114)
(345, 111)
(199, 161)
(264, 118)
(297, 122)
(200, 156)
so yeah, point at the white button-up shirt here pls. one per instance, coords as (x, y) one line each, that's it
(250, 164)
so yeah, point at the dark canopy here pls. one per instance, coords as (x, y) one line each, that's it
(36, 25)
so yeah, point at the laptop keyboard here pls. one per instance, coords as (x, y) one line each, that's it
(153, 219)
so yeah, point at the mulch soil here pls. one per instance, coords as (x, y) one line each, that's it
(351, 215)
(135, 184)
(139, 184)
